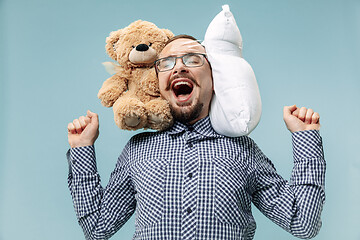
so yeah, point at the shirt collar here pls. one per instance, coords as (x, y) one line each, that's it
(203, 127)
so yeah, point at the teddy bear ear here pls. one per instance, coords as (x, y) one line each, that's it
(110, 43)
(168, 33)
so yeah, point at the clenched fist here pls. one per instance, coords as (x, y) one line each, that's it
(301, 119)
(83, 131)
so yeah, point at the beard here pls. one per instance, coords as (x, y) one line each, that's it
(187, 115)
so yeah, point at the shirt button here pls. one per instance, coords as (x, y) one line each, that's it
(190, 145)
(189, 210)
(190, 175)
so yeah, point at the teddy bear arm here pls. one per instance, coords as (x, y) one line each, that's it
(111, 89)
(150, 84)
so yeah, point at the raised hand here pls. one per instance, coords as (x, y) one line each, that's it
(301, 119)
(84, 130)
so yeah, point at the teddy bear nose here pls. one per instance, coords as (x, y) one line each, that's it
(142, 47)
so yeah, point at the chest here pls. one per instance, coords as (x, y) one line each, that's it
(204, 161)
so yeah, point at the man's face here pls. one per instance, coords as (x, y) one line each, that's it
(187, 89)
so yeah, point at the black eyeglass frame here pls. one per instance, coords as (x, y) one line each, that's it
(182, 59)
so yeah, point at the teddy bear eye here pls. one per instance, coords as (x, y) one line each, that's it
(133, 46)
(114, 47)
(150, 44)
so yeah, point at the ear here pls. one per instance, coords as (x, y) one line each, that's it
(168, 33)
(110, 42)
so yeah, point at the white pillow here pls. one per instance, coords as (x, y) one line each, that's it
(236, 105)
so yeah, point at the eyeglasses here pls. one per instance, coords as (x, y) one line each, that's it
(189, 60)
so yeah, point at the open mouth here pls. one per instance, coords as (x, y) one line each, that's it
(182, 88)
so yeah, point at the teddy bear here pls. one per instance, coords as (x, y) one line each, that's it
(133, 91)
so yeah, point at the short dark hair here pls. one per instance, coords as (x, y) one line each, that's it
(182, 36)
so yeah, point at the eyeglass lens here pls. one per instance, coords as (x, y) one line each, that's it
(189, 60)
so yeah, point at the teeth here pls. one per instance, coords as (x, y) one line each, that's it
(182, 83)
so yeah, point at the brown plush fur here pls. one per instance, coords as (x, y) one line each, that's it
(133, 91)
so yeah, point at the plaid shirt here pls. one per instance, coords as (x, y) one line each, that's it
(191, 183)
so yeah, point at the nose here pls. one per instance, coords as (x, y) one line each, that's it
(142, 47)
(179, 66)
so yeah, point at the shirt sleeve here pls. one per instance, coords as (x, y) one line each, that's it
(100, 212)
(296, 206)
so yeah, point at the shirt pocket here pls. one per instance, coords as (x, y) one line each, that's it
(232, 202)
(149, 180)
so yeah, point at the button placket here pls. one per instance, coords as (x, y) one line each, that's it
(189, 137)
(190, 186)
(186, 136)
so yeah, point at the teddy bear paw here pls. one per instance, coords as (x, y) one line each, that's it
(129, 113)
(158, 114)
(159, 121)
(154, 119)
(132, 120)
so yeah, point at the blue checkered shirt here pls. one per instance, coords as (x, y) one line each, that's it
(191, 183)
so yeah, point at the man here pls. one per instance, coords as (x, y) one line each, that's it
(189, 182)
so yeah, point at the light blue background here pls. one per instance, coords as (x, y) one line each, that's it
(302, 51)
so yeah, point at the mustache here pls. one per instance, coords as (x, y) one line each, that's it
(181, 75)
